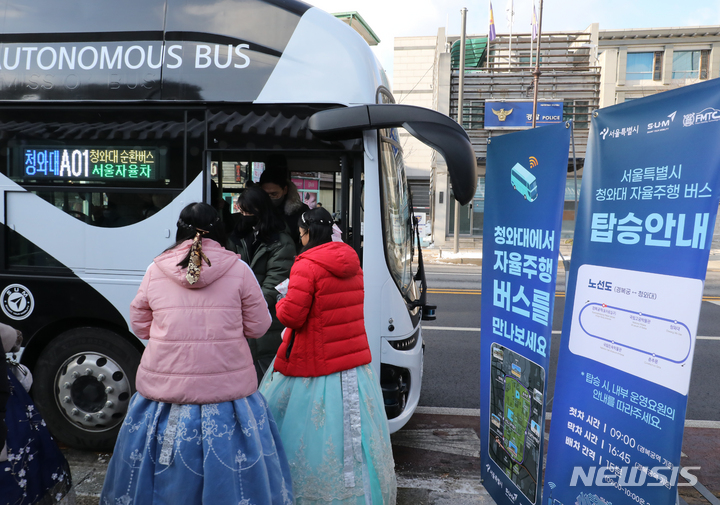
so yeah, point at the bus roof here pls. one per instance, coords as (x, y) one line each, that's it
(523, 172)
(262, 51)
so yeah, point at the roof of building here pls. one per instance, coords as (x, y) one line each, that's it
(474, 52)
(660, 33)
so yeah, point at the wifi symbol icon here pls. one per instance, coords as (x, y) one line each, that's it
(533, 162)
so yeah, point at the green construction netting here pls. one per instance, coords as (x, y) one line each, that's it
(475, 53)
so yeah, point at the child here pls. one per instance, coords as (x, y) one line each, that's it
(197, 431)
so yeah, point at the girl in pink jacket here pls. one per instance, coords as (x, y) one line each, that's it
(197, 430)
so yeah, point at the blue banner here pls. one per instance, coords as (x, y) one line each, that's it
(648, 201)
(516, 115)
(524, 193)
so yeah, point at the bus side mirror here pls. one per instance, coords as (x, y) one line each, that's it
(430, 127)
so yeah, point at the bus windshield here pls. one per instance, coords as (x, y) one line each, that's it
(397, 218)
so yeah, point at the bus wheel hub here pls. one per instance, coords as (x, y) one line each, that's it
(92, 391)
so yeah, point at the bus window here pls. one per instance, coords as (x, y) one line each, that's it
(107, 209)
(397, 222)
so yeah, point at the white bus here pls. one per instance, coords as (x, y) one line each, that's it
(115, 115)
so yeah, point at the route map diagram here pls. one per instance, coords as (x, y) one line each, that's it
(638, 322)
(516, 400)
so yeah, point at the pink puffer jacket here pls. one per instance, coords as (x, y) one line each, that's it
(197, 352)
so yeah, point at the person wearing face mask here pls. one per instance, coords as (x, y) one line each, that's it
(284, 196)
(262, 242)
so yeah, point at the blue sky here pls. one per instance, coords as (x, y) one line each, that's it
(402, 18)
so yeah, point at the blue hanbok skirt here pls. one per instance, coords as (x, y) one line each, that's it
(335, 433)
(36, 472)
(225, 453)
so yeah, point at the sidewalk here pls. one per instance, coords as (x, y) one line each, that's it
(437, 461)
(440, 256)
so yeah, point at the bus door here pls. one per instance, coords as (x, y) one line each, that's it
(333, 180)
(352, 219)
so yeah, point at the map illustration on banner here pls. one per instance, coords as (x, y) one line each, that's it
(648, 201)
(516, 405)
(524, 193)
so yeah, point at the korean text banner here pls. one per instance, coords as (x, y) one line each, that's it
(524, 193)
(647, 210)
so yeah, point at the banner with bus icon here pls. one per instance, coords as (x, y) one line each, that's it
(524, 196)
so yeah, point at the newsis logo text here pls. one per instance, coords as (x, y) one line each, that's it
(621, 477)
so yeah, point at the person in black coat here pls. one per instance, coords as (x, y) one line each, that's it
(285, 198)
(260, 239)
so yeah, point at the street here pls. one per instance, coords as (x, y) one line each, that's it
(452, 374)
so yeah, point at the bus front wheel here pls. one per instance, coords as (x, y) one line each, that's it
(84, 380)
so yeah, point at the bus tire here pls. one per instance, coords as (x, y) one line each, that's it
(84, 379)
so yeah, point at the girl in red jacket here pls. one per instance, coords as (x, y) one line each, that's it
(322, 390)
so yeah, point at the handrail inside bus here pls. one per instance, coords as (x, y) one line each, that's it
(430, 127)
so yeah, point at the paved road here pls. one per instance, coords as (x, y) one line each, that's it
(452, 375)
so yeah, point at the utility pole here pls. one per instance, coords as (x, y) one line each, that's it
(536, 73)
(512, 13)
(532, 35)
(461, 83)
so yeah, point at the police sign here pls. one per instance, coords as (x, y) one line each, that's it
(518, 115)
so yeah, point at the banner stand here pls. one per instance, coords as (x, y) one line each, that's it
(643, 232)
(525, 185)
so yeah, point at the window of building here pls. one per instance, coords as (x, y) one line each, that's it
(644, 66)
(471, 215)
(473, 115)
(577, 111)
(690, 64)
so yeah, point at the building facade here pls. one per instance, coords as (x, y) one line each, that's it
(581, 72)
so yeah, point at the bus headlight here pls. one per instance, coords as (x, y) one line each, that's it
(405, 344)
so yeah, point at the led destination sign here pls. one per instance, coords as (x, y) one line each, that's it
(75, 164)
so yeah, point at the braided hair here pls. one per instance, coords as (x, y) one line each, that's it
(318, 223)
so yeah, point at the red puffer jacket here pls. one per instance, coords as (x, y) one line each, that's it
(324, 305)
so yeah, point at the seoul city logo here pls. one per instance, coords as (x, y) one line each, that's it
(707, 115)
(17, 301)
